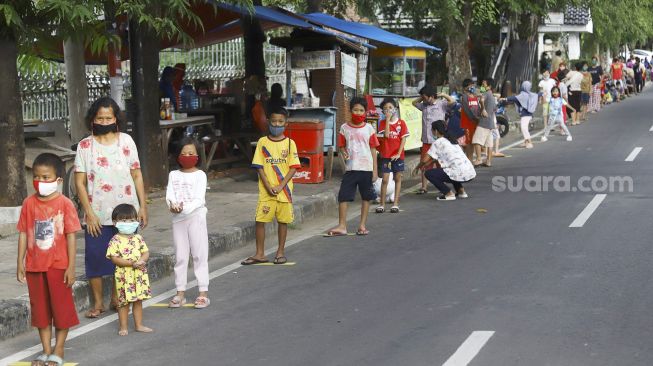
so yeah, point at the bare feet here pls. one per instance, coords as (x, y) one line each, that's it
(144, 329)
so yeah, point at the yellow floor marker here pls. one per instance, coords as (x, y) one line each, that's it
(28, 363)
(272, 264)
(333, 236)
(166, 305)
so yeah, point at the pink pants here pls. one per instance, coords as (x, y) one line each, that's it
(191, 238)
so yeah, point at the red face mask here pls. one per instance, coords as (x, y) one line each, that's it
(357, 118)
(188, 161)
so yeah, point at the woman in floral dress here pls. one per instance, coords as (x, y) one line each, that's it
(107, 173)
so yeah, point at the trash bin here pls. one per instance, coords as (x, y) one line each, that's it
(308, 135)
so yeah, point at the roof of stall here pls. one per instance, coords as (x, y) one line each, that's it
(370, 32)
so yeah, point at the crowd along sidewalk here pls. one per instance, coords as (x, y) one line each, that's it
(231, 203)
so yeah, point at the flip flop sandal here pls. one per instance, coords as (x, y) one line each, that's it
(362, 232)
(421, 191)
(487, 165)
(40, 360)
(394, 209)
(201, 302)
(332, 234)
(252, 260)
(177, 302)
(54, 359)
(380, 209)
(94, 313)
(280, 260)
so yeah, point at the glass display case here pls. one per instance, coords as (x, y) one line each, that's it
(397, 72)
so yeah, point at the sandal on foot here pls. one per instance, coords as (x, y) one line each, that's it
(380, 209)
(444, 197)
(334, 232)
(394, 209)
(422, 191)
(144, 330)
(202, 301)
(123, 333)
(94, 313)
(252, 260)
(40, 360)
(362, 232)
(177, 302)
(54, 360)
(280, 260)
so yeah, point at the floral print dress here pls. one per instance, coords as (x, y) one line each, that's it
(108, 173)
(131, 284)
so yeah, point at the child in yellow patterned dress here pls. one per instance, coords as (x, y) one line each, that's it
(127, 250)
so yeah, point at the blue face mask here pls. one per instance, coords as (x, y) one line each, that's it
(472, 90)
(127, 228)
(276, 130)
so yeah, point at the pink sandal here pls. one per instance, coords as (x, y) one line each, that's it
(177, 302)
(201, 302)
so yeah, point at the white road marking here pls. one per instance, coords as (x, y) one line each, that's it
(588, 211)
(155, 300)
(469, 349)
(521, 141)
(633, 154)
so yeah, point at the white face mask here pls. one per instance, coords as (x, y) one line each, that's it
(46, 188)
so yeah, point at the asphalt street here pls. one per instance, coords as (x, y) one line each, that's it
(499, 279)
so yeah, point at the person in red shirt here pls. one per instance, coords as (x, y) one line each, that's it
(46, 256)
(392, 135)
(469, 115)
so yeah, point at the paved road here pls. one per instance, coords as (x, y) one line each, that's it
(418, 287)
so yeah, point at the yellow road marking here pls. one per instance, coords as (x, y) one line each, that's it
(28, 363)
(166, 305)
(272, 264)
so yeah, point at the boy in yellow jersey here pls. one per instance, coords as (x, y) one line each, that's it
(276, 161)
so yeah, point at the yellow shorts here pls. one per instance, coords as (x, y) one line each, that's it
(266, 211)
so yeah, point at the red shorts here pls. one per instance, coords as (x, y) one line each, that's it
(425, 151)
(51, 300)
(469, 134)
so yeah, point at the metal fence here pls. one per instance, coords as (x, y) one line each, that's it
(44, 94)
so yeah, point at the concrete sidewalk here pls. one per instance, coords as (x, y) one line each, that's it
(231, 203)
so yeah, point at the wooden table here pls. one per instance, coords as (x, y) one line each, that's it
(169, 125)
(241, 139)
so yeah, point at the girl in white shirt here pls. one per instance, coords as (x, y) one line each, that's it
(186, 199)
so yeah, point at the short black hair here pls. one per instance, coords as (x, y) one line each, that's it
(103, 102)
(428, 91)
(357, 100)
(467, 82)
(124, 211)
(490, 82)
(277, 110)
(390, 100)
(51, 161)
(558, 53)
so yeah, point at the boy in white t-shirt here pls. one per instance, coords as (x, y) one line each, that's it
(357, 143)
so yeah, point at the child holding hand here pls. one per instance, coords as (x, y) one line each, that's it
(127, 250)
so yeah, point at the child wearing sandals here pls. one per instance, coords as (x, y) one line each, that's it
(357, 143)
(127, 250)
(276, 161)
(392, 139)
(186, 199)
(46, 257)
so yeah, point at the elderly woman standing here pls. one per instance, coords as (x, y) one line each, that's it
(107, 173)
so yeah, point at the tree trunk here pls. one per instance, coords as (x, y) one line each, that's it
(145, 85)
(313, 6)
(254, 38)
(458, 50)
(12, 140)
(76, 88)
(522, 62)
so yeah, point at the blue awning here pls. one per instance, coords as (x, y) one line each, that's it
(370, 32)
(279, 17)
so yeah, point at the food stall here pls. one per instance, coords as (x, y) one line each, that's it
(329, 63)
(397, 67)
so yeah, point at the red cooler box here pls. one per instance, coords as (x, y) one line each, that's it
(308, 135)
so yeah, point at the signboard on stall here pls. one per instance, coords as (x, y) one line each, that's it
(349, 70)
(413, 118)
(313, 60)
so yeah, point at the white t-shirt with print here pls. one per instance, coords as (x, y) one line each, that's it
(453, 160)
(189, 188)
(545, 87)
(359, 142)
